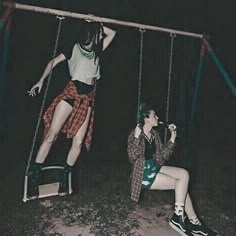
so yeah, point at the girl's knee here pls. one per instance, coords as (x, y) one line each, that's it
(77, 142)
(50, 137)
(184, 174)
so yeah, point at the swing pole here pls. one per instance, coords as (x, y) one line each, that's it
(4, 18)
(6, 15)
(98, 19)
(220, 67)
(4, 43)
(4, 54)
(195, 96)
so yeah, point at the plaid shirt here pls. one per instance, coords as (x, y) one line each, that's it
(136, 154)
(78, 115)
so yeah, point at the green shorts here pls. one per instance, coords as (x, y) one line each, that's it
(150, 171)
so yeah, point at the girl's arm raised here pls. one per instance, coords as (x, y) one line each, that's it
(110, 34)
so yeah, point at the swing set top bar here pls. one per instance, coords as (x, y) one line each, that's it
(98, 19)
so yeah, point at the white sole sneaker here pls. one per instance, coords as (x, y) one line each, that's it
(173, 226)
(199, 234)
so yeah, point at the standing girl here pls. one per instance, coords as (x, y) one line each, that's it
(72, 111)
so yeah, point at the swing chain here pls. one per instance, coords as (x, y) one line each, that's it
(140, 70)
(172, 35)
(60, 18)
(142, 30)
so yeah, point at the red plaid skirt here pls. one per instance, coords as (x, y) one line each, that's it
(77, 116)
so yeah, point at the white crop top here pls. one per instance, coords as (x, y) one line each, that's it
(82, 63)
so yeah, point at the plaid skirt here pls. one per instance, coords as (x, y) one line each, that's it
(78, 114)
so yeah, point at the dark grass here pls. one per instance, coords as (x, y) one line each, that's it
(102, 202)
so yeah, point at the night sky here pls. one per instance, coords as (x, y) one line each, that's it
(31, 47)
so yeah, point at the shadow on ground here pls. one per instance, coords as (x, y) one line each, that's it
(101, 205)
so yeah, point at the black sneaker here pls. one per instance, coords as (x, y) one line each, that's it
(64, 180)
(201, 230)
(34, 177)
(177, 222)
(63, 188)
(64, 184)
(33, 191)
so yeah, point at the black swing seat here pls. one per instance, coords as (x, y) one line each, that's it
(46, 190)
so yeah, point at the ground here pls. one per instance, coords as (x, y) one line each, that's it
(102, 205)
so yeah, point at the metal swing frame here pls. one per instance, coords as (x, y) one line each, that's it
(122, 23)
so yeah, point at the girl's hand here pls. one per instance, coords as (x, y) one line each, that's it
(172, 128)
(32, 91)
(90, 20)
(137, 131)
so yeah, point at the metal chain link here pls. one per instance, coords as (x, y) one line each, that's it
(45, 95)
(140, 71)
(169, 82)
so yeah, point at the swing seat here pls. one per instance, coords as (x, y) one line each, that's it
(47, 190)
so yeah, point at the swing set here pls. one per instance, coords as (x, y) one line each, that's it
(5, 22)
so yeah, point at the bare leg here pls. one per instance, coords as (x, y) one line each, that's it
(73, 155)
(61, 113)
(77, 140)
(177, 179)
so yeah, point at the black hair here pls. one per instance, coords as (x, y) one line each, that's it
(90, 32)
(144, 111)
